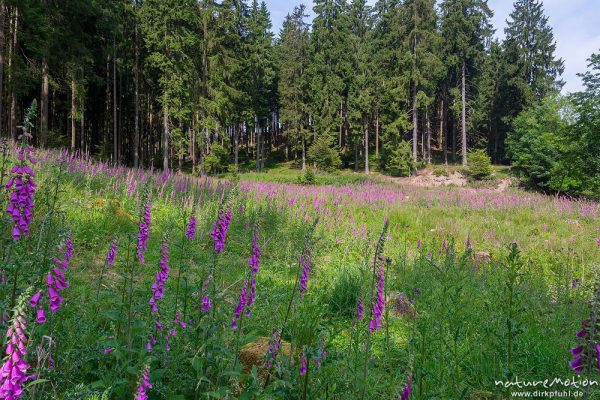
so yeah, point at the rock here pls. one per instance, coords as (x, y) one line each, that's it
(400, 305)
(254, 353)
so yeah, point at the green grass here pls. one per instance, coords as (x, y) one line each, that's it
(468, 303)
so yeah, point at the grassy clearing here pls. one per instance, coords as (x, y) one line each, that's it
(463, 308)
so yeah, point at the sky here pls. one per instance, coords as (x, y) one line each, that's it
(575, 23)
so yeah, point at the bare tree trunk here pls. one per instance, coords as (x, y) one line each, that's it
(136, 116)
(82, 136)
(115, 139)
(257, 130)
(341, 124)
(443, 136)
(453, 133)
(2, 41)
(13, 97)
(366, 129)
(415, 122)
(428, 138)
(165, 137)
(464, 117)
(73, 114)
(44, 104)
(303, 151)
(377, 133)
(236, 144)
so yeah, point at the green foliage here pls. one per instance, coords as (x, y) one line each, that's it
(479, 164)
(217, 160)
(398, 159)
(307, 178)
(323, 155)
(539, 146)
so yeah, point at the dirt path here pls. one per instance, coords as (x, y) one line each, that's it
(426, 179)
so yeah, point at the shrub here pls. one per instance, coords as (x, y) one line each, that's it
(398, 158)
(307, 178)
(438, 171)
(324, 155)
(479, 164)
(216, 161)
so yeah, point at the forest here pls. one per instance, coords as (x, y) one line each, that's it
(383, 200)
(208, 86)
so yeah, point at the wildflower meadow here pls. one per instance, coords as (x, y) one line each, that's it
(121, 283)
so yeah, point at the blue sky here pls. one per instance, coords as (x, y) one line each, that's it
(576, 25)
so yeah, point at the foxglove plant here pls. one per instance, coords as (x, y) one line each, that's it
(586, 356)
(306, 264)
(190, 233)
(221, 226)
(144, 233)
(143, 386)
(219, 236)
(407, 389)
(158, 288)
(20, 203)
(379, 303)
(56, 279)
(110, 261)
(13, 373)
(254, 264)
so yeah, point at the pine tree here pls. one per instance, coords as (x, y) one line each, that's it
(467, 33)
(293, 64)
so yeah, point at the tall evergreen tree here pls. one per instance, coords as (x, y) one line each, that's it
(293, 64)
(467, 33)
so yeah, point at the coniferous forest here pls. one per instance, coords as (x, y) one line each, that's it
(208, 86)
(380, 200)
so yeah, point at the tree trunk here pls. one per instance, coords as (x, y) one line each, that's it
(115, 143)
(377, 133)
(73, 113)
(165, 137)
(44, 104)
(257, 130)
(82, 135)
(428, 138)
(341, 125)
(443, 136)
(303, 151)
(453, 133)
(464, 117)
(136, 129)
(415, 122)
(236, 144)
(366, 129)
(2, 40)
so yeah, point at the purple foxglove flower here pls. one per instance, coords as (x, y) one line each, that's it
(13, 373)
(20, 203)
(240, 307)
(360, 309)
(143, 386)
(419, 244)
(273, 348)
(306, 265)
(40, 316)
(158, 287)
(379, 303)
(112, 253)
(144, 233)
(108, 350)
(35, 299)
(206, 304)
(219, 233)
(303, 364)
(56, 279)
(190, 233)
(407, 389)
(254, 261)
